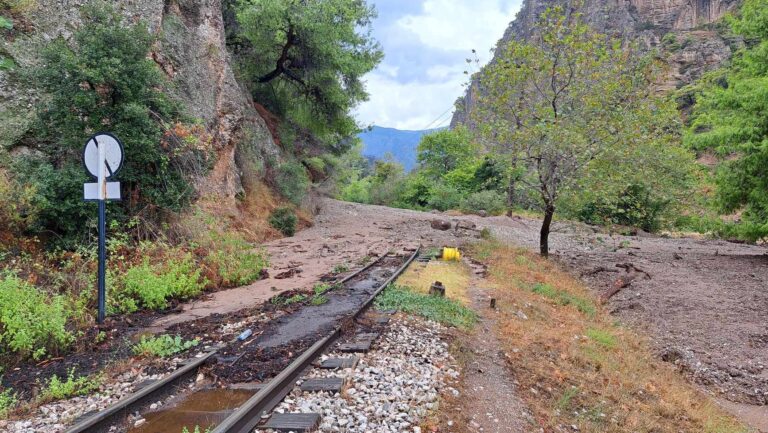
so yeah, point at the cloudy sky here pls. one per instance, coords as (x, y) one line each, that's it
(426, 44)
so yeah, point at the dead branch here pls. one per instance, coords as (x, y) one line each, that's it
(597, 270)
(625, 280)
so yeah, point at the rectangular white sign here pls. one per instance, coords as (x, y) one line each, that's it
(91, 191)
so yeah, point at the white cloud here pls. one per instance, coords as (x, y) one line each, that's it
(461, 24)
(414, 105)
(426, 51)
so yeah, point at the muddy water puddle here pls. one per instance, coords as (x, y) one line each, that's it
(204, 408)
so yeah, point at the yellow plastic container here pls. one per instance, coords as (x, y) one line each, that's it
(451, 254)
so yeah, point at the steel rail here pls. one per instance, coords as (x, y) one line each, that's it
(250, 414)
(103, 420)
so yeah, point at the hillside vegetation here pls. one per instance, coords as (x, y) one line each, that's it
(179, 230)
(570, 124)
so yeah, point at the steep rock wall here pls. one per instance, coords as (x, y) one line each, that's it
(694, 44)
(191, 49)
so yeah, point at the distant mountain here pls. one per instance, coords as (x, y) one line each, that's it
(400, 144)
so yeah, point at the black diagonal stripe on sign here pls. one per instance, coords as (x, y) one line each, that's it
(106, 162)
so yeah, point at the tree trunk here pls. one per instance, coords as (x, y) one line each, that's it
(510, 196)
(549, 211)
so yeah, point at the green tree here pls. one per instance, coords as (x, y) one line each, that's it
(446, 150)
(305, 60)
(104, 80)
(386, 181)
(567, 103)
(729, 118)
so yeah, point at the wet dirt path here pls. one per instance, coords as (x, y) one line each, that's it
(491, 403)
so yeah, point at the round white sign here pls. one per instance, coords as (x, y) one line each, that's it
(113, 154)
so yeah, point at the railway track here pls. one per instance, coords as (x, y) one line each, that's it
(359, 289)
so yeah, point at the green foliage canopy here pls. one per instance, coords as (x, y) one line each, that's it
(571, 104)
(305, 60)
(729, 119)
(105, 81)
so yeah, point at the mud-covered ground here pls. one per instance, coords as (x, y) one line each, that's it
(703, 307)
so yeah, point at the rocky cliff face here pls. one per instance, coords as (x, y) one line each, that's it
(684, 31)
(191, 50)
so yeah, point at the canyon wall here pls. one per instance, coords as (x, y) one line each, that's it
(686, 33)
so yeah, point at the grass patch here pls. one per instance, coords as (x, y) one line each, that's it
(576, 367)
(58, 389)
(602, 337)
(562, 297)
(442, 310)
(455, 276)
(162, 346)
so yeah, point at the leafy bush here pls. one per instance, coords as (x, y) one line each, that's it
(56, 389)
(321, 288)
(162, 346)
(443, 197)
(151, 286)
(635, 206)
(492, 202)
(31, 323)
(7, 402)
(318, 300)
(236, 261)
(19, 205)
(439, 309)
(292, 181)
(288, 300)
(357, 191)
(284, 219)
(104, 76)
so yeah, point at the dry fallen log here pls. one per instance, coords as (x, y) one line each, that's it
(632, 273)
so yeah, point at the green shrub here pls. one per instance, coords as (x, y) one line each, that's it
(439, 309)
(7, 402)
(340, 268)
(288, 300)
(103, 76)
(318, 300)
(292, 181)
(56, 389)
(31, 323)
(636, 206)
(284, 219)
(151, 286)
(492, 202)
(19, 204)
(163, 346)
(443, 197)
(237, 262)
(357, 191)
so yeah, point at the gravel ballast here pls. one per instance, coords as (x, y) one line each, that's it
(393, 388)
